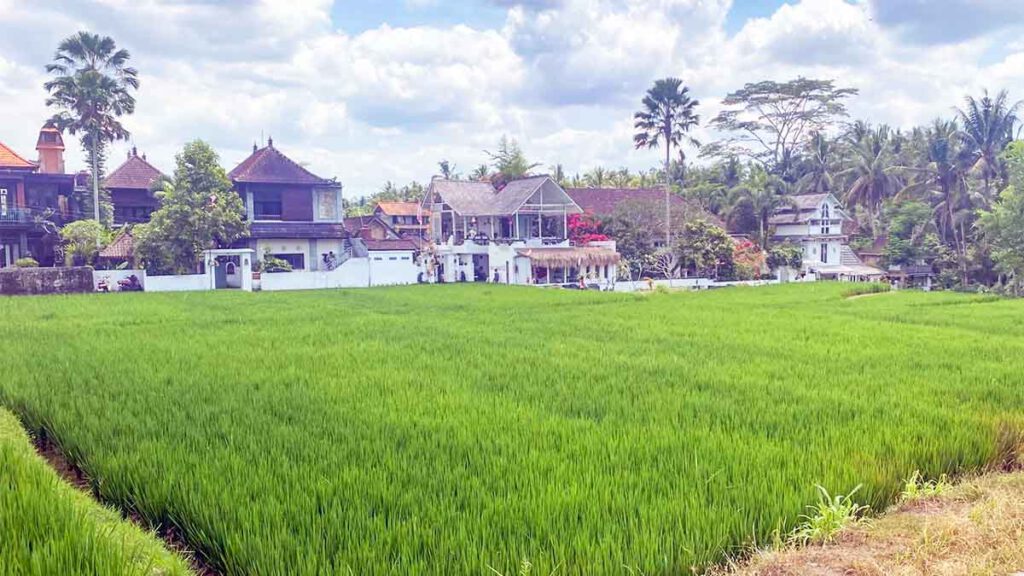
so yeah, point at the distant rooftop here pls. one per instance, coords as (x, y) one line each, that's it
(268, 165)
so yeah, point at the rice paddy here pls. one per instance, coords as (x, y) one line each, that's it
(464, 429)
(48, 527)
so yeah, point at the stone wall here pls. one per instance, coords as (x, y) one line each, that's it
(45, 280)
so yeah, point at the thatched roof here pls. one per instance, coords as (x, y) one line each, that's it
(564, 257)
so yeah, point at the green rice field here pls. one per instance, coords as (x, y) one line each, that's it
(461, 430)
(47, 527)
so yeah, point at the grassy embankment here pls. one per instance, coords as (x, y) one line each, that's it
(48, 527)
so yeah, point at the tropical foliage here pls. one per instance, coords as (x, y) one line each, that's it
(91, 90)
(198, 211)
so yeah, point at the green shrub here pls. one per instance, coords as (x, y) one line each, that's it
(26, 263)
(828, 517)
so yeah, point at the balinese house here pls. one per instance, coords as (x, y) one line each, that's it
(513, 235)
(370, 227)
(293, 214)
(409, 219)
(605, 202)
(816, 223)
(35, 198)
(130, 186)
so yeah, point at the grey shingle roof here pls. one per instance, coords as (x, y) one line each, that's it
(481, 199)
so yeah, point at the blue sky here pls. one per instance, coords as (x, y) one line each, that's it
(375, 91)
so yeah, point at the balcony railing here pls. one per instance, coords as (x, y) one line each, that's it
(15, 216)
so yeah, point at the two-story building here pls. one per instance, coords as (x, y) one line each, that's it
(409, 219)
(130, 186)
(815, 222)
(513, 235)
(293, 214)
(35, 198)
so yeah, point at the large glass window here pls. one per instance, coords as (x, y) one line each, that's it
(298, 261)
(824, 253)
(266, 205)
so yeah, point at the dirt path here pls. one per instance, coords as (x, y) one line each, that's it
(977, 527)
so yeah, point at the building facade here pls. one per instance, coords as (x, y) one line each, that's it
(293, 214)
(514, 235)
(815, 222)
(36, 197)
(130, 186)
(409, 219)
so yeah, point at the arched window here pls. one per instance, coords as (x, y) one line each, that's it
(825, 221)
(824, 211)
(229, 268)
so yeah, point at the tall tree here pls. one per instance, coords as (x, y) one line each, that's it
(509, 160)
(987, 128)
(667, 117)
(939, 179)
(198, 210)
(448, 170)
(91, 90)
(818, 164)
(872, 172)
(764, 194)
(1003, 226)
(771, 121)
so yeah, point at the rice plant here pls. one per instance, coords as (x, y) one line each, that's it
(917, 488)
(47, 527)
(452, 429)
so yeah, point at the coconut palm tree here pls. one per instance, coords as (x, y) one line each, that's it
(667, 117)
(987, 126)
(873, 172)
(766, 194)
(91, 90)
(820, 161)
(941, 181)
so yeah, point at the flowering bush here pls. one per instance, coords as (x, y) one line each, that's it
(584, 229)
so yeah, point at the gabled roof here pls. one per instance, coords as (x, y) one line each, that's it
(474, 198)
(135, 174)
(604, 201)
(402, 209)
(10, 160)
(122, 248)
(268, 165)
(804, 208)
(354, 224)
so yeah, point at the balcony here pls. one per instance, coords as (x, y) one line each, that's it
(15, 217)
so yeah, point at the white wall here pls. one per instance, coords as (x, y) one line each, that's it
(191, 282)
(112, 277)
(354, 273)
(285, 246)
(641, 285)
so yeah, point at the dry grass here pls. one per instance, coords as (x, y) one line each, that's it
(975, 528)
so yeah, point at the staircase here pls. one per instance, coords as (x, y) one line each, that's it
(847, 257)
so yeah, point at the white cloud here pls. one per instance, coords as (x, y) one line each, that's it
(561, 76)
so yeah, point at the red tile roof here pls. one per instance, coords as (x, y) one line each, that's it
(269, 166)
(604, 201)
(122, 248)
(402, 209)
(11, 160)
(134, 174)
(396, 244)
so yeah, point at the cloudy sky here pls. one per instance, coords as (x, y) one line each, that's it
(378, 90)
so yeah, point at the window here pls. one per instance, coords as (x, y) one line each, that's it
(825, 211)
(824, 253)
(266, 205)
(3, 201)
(132, 214)
(392, 257)
(297, 261)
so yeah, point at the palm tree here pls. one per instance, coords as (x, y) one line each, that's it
(872, 172)
(987, 128)
(91, 90)
(766, 195)
(667, 117)
(818, 178)
(942, 182)
(597, 177)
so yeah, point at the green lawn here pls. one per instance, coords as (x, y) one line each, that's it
(453, 429)
(47, 527)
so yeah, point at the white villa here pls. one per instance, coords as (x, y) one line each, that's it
(514, 235)
(815, 221)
